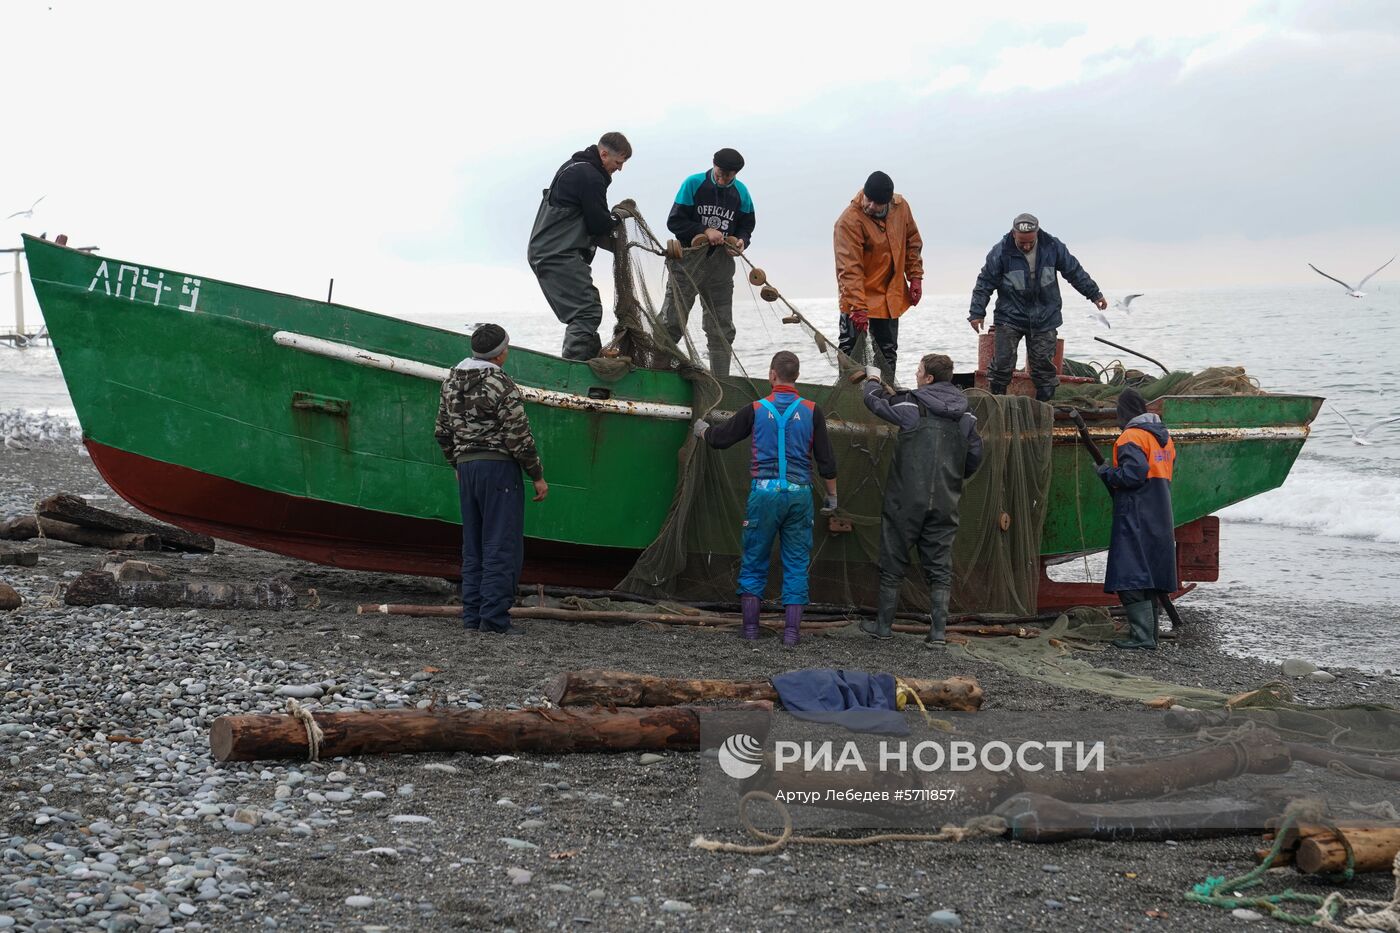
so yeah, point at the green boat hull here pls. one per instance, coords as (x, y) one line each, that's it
(198, 411)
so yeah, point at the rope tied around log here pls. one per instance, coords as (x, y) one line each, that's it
(1303, 810)
(314, 735)
(903, 693)
(976, 827)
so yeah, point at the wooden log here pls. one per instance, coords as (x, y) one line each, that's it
(19, 558)
(985, 631)
(590, 616)
(25, 527)
(1325, 757)
(624, 688)
(1373, 849)
(96, 587)
(258, 737)
(1037, 818)
(1259, 752)
(73, 509)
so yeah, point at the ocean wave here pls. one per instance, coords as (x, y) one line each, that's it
(1330, 500)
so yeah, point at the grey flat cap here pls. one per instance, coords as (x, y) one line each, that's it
(1025, 223)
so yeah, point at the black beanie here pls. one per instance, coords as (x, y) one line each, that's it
(1130, 405)
(879, 188)
(729, 160)
(489, 341)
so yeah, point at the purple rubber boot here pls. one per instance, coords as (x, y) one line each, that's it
(749, 604)
(792, 622)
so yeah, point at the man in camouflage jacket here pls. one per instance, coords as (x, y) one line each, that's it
(483, 432)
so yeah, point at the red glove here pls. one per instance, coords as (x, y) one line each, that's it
(916, 290)
(860, 321)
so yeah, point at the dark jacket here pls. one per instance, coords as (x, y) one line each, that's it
(581, 182)
(804, 435)
(1031, 305)
(1142, 546)
(939, 400)
(700, 204)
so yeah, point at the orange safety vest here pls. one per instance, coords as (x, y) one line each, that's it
(1160, 459)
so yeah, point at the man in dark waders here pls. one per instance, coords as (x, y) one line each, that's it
(712, 206)
(789, 434)
(936, 449)
(573, 218)
(1142, 546)
(483, 431)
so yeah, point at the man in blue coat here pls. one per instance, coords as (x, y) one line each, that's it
(789, 438)
(1142, 546)
(711, 208)
(1023, 269)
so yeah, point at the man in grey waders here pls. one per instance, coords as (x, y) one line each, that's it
(712, 209)
(572, 221)
(936, 449)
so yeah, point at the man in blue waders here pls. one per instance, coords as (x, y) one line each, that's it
(789, 433)
(1142, 545)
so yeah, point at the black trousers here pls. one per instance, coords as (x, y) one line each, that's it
(884, 334)
(493, 540)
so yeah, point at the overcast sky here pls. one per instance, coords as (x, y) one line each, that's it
(401, 148)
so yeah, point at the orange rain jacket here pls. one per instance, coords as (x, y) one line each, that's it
(865, 250)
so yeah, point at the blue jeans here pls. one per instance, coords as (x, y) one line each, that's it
(493, 540)
(782, 511)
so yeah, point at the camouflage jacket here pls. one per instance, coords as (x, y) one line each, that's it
(481, 412)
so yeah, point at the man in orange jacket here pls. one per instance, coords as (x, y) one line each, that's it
(879, 268)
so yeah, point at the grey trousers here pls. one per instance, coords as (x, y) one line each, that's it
(1040, 359)
(567, 282)
(708, 275)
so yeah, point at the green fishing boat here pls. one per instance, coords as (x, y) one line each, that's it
(306, 428)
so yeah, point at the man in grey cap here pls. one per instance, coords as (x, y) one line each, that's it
(484, 433)
(1023, 270)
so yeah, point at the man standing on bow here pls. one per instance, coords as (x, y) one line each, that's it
(712, 207)
(879, 268)
(1023, 270)
(1142, 544)
(572, 221)
(483, 431)
(789, 434)
(936, 449)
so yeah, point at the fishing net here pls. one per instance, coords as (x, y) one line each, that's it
(1217, 380)
(696, 554)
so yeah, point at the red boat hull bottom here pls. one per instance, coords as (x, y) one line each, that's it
(328, 533)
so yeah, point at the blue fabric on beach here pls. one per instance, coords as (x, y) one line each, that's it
(856, 700)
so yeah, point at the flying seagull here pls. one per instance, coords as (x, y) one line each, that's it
(28, 213)
(1353, 292)
(1123, 303)
(1364, 437)
(1099, 316)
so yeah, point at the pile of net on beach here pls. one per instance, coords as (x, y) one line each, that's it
(696, 554)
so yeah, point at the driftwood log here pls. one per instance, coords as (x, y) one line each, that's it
(594, 617)
(25, 527)
(623, 688)
(20, 558)
(259, 737)
(96, 587)
(73, 509)
(1037, 818)
(1326, 757)
(984, 631)
(1373, 849)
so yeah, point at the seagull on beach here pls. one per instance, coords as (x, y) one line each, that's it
(1363, 439)
(1099, 316)
(1123, 303)
(1353, 292)
(29, 212)
(12, 442)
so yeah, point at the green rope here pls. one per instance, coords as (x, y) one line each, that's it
(1270, 904)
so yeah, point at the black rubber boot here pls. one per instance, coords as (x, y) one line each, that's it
(889, 602)
(938, 620)
(1142, 626)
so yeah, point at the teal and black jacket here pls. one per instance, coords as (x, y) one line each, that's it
(701, 203)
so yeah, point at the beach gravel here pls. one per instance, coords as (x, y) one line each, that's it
(113, 816)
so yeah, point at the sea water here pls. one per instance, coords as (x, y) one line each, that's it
(1311, 569)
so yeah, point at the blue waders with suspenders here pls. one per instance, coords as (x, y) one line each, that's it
(782, 510)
